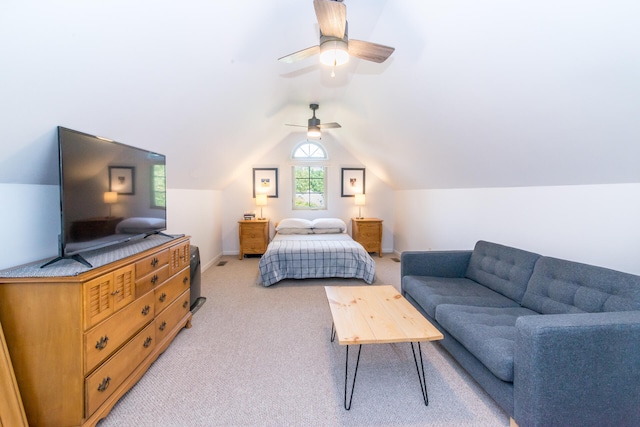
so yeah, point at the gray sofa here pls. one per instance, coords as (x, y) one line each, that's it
(553, 342)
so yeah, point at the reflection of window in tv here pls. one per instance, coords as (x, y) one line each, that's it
(159, 184)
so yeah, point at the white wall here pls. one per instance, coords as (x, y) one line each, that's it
(30, 221)
(237, 197)
(197, 213)
(593, 224)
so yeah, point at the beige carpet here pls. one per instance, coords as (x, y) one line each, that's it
(260, 356)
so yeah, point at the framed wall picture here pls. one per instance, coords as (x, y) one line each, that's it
(121, 179)
(265, 180)
(352, 181)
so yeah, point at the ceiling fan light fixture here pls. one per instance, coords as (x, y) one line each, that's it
(313, 131)
(334, 52)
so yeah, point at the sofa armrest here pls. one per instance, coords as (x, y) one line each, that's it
(434, 263)
(577, 369)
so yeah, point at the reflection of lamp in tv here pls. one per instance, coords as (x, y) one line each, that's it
(261, 200)
(360, 201)
(110, 197)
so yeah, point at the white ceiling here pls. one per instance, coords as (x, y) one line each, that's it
(477, 94)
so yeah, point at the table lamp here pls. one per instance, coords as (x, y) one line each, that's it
(110, 197)
(360, 201)
(261, 200)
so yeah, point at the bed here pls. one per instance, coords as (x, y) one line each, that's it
(305, 249)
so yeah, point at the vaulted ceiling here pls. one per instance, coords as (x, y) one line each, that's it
(476, 94)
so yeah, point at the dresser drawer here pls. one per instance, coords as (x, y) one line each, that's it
(151, 280)
(101, 341)
(170, 290)
(170, 317)
(152, 263)
(106, 379)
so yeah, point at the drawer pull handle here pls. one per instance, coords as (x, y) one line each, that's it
(147, 342)
(154, 262)
(163, 297)
(154, 279)
(104, 384)
(116, 292)
(146, 310)
(185, 304)
(162, 325)
(100, 345)
(185, 280)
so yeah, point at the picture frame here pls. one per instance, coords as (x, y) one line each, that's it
(353, 181)
(122, 179)
(265, 180)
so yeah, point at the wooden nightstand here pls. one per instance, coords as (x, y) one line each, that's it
(368, 232)
(254, 236)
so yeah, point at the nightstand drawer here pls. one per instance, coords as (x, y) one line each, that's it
(368, 232)
(254, 236)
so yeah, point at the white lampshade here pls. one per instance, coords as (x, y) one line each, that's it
(110, 197)
(261, 200)
(334, 52)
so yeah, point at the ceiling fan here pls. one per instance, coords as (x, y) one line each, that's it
(335, 47)
(314, 127)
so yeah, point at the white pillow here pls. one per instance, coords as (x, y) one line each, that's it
(329, 223)
(328, 231)
(293, 223)
(295, 231)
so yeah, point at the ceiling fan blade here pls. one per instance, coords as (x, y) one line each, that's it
(329, 125)
(298, 126)
(301, 54)
(369, 51)
(332, 17)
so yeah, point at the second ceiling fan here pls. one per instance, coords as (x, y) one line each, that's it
(314, 127)
(335, 47)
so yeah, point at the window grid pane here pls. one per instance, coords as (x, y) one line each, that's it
(309, 187)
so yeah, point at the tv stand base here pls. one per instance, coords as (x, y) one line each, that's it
(76, 257)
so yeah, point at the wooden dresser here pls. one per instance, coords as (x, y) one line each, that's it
(254, 236)
(368, 232)
(78, 343)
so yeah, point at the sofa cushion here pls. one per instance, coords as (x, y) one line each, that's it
(429, 292)
(558, 286)
(489, 333)
(502, 268)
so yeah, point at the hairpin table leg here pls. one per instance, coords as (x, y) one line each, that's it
(423, 382)
(346, 376)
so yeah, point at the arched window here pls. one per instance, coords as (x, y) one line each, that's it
(309, 150)
(309, 177)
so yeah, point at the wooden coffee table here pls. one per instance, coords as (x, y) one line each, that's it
(377, 315)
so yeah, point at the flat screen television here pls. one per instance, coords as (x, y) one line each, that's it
(109, 193)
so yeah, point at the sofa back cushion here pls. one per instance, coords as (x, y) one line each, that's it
(503, 269)
(558, 286)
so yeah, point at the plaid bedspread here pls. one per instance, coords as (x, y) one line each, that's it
(315, 256)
